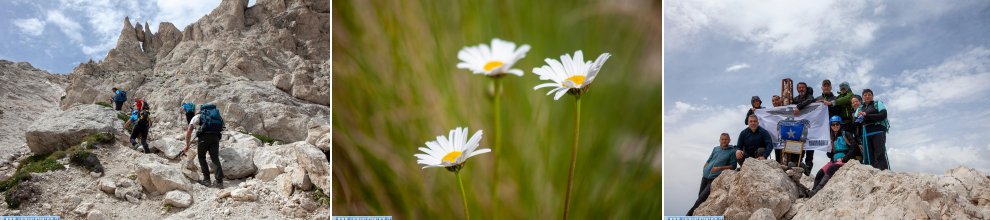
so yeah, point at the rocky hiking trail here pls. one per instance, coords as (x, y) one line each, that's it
(265, 66)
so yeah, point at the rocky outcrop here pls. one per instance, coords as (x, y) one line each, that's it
(62, 130)
(170, 148)
(857, 191)
(29, 95)
(315, 163)
(128, 54)
(759, 184)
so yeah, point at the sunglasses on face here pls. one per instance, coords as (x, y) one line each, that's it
(835, 124)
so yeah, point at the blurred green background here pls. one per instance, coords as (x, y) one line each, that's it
(395, 86)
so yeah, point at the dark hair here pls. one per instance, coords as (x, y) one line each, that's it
(826, 82)
(114, 89)
(867, 90)
(725, 134)
(753, 116)
(802, 83)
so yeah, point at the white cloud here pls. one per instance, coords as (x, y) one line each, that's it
(736, 67)
(184, 12)
(30, 26)
(69, 27)
(842, 67)
(777, 26)
(960, 78)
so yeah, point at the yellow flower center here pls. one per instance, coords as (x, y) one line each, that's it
(577, 79)
(452, 156)
(492, 65)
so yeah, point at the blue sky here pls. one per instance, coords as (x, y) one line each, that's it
(57, 35)
(929, 61)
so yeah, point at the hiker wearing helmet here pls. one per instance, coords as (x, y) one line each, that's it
(720, 159)
(805, 97)
(209, 126)
(754, 142)
(757, 104)
(141, 127)
(119, 97)
(874, 135)
(841, 153)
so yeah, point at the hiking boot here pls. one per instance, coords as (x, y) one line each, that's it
(218, 185)
(205, 183)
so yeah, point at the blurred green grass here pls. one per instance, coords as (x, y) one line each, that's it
(395, 86)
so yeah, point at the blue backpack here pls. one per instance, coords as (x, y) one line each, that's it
(189, 107)
(121, 96)
(210, 121)
(134, 115)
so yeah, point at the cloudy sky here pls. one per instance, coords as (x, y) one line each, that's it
(929, 61)
(57, 35)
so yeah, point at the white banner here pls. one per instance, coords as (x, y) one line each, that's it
(815, 117)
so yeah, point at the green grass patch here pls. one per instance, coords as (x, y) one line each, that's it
(122, 116)
(320, 197)
(265, 139)
(62, 98)
(98, 138)
(32, 164)
(168, 207)
(104, 104)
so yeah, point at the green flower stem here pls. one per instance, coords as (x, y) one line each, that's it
(467, 214)
(495, 149)
(574, 148)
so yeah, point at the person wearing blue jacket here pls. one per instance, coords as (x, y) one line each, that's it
(754, 142)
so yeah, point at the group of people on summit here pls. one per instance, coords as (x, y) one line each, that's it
(857, 124)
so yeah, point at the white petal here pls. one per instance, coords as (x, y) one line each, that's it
(474, 141)
(480, 151)
(557, 69)
(545, 85)
(593, 70)
(556, 90)
(516, 72)
(521, 52)
(559, 94)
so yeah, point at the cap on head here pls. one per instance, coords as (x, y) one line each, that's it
(835, 119)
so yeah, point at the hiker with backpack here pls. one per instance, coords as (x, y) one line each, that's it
(873, 118)
(209, 124)
(189, 109)
(141, 127)
(119, 97)
(135, 114)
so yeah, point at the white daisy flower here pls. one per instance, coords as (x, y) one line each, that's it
(492, 61)
(452, 151)
(570, 73)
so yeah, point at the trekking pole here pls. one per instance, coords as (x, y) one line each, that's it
(866, 146)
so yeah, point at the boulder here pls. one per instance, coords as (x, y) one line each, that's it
(107, 186)
(82, 208)
(158, 178)
(271, 161)
(859, 191)
(170, 148)
(243, 194)
(298, 177)
(283, 185)
(759, 184)
(315, 163)
(65, 129)
(96, 214)
(178, 199)
(762, 214)
(237, 162)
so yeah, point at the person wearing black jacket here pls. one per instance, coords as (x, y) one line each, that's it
(828, 98)
(874, 114)
(757, 104)
(805, 97)
(754, 142)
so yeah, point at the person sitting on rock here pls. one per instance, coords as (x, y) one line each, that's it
(753, 142)
(141, 127)
(210, 125)
(842, 152)
(720, 159)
